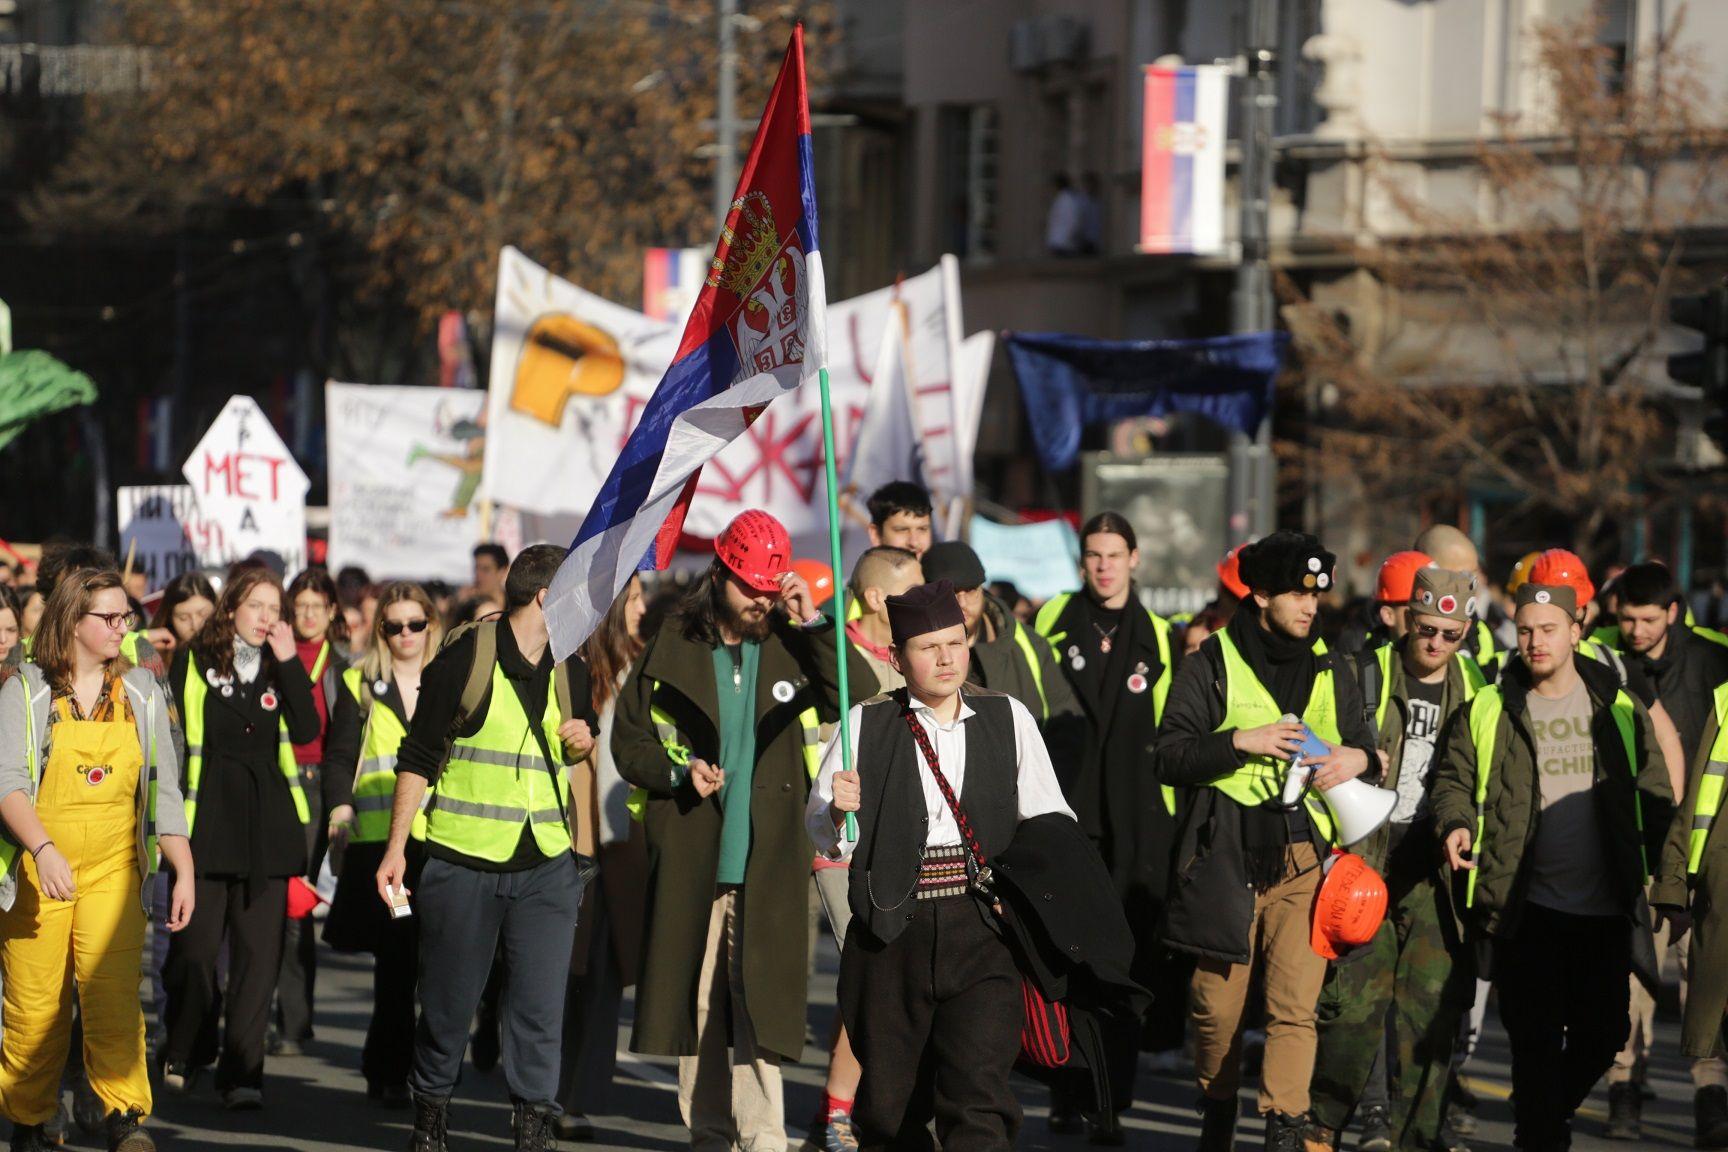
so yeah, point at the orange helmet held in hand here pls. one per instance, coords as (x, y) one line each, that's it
(1349, 907)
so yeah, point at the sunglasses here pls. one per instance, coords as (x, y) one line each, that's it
(1429, 632)
(397, 627)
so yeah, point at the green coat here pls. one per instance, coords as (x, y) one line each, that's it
(1514, 797)
(1706, 896)
(676, 675)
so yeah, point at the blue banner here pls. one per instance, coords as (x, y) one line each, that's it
(1069, 382)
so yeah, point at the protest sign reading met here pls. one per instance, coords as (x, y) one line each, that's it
(249, 487)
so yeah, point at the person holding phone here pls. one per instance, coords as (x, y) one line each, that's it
(1247, 868)
(245, 700)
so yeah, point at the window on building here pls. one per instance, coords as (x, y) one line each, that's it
(971, 158)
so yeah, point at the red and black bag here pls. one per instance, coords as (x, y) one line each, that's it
(1046, 1040)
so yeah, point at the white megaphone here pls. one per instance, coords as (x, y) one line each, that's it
(1358, 809)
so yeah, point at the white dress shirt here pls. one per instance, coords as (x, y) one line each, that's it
(1039, 792)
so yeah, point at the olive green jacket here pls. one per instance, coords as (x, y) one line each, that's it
(1634, 801)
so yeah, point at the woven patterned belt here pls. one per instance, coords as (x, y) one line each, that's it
(943, 873)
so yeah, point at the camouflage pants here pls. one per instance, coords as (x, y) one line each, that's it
(1414, 970)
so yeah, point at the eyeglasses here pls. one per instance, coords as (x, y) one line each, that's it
(1429, 632)
(118, 621)
(319, 609)
(397, 627)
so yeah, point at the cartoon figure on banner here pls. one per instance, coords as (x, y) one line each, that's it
(561, 358)
(470, 433)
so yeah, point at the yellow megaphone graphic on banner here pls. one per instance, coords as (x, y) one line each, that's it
(563, 357)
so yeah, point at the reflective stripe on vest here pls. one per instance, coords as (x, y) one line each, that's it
(1485, 713)
(1249, 705)
(1468, 668)
(1710, 787)
(192, 696)
(666, 730)
(375, 776)
(497, 780)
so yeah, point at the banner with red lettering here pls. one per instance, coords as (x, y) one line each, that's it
(250, 492)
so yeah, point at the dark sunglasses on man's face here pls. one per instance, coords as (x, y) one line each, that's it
(397, 627)
(1428, 632)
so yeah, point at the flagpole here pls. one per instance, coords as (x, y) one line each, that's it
(839, 590)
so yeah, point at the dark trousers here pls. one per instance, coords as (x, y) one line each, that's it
(253, 930)
(591, 1006)
(389, 1051)
(464, 914)
(1563, 984)
(299, 971)
(934, 1017)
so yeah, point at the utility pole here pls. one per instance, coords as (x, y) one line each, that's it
(1253, 476)
(726, 113)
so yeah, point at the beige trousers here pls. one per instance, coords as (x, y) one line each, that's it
(1632, 1063)
(729, 1094)
(1292, 973)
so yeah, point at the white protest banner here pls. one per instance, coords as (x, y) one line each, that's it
(161, 531)
(1042, 560)
(571, 373)
(249, 488)
(404, 470)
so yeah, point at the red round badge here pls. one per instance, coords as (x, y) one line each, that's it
(96, 775)
(1448, 605)
(1136, 683)
(267, 701)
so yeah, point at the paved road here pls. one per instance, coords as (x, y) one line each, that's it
(316, 1103)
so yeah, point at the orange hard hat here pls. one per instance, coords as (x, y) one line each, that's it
(1521, 572)
(756, 548)
(818, 575)
(1397, 581)
(1349, 907)
(1558, 566)
(1230, 574)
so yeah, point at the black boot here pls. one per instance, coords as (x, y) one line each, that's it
(1284, 1133)
(125, 1132)
(1375, 1129)
(431, 1124)
(1710, 1113)
(1217, 1125)
(1625, 1112)
(536, 1128)
(31, 1138)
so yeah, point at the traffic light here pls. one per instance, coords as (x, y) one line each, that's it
(1706, 369)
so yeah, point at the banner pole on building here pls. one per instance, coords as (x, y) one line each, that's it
(834, 559)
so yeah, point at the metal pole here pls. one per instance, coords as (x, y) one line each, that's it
(1253, 479)
(726, 113)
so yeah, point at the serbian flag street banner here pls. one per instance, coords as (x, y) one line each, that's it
(1182, 162)
(757, 332)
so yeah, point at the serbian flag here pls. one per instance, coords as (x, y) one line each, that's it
(1182, 160)
(757, 332)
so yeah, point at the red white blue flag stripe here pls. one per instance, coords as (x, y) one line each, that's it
(757, 332)
(1182, 162)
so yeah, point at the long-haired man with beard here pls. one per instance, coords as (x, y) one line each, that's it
(717, 728)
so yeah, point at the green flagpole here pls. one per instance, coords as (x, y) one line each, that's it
(839, 590)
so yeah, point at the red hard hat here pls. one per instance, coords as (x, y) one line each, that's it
(1398, 576)
(1558, 566)
(818, 575)
(1349, 907)
(302, 898)
(757, 549)
(1230, 574)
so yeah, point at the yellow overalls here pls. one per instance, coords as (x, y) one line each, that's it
(87, 801)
